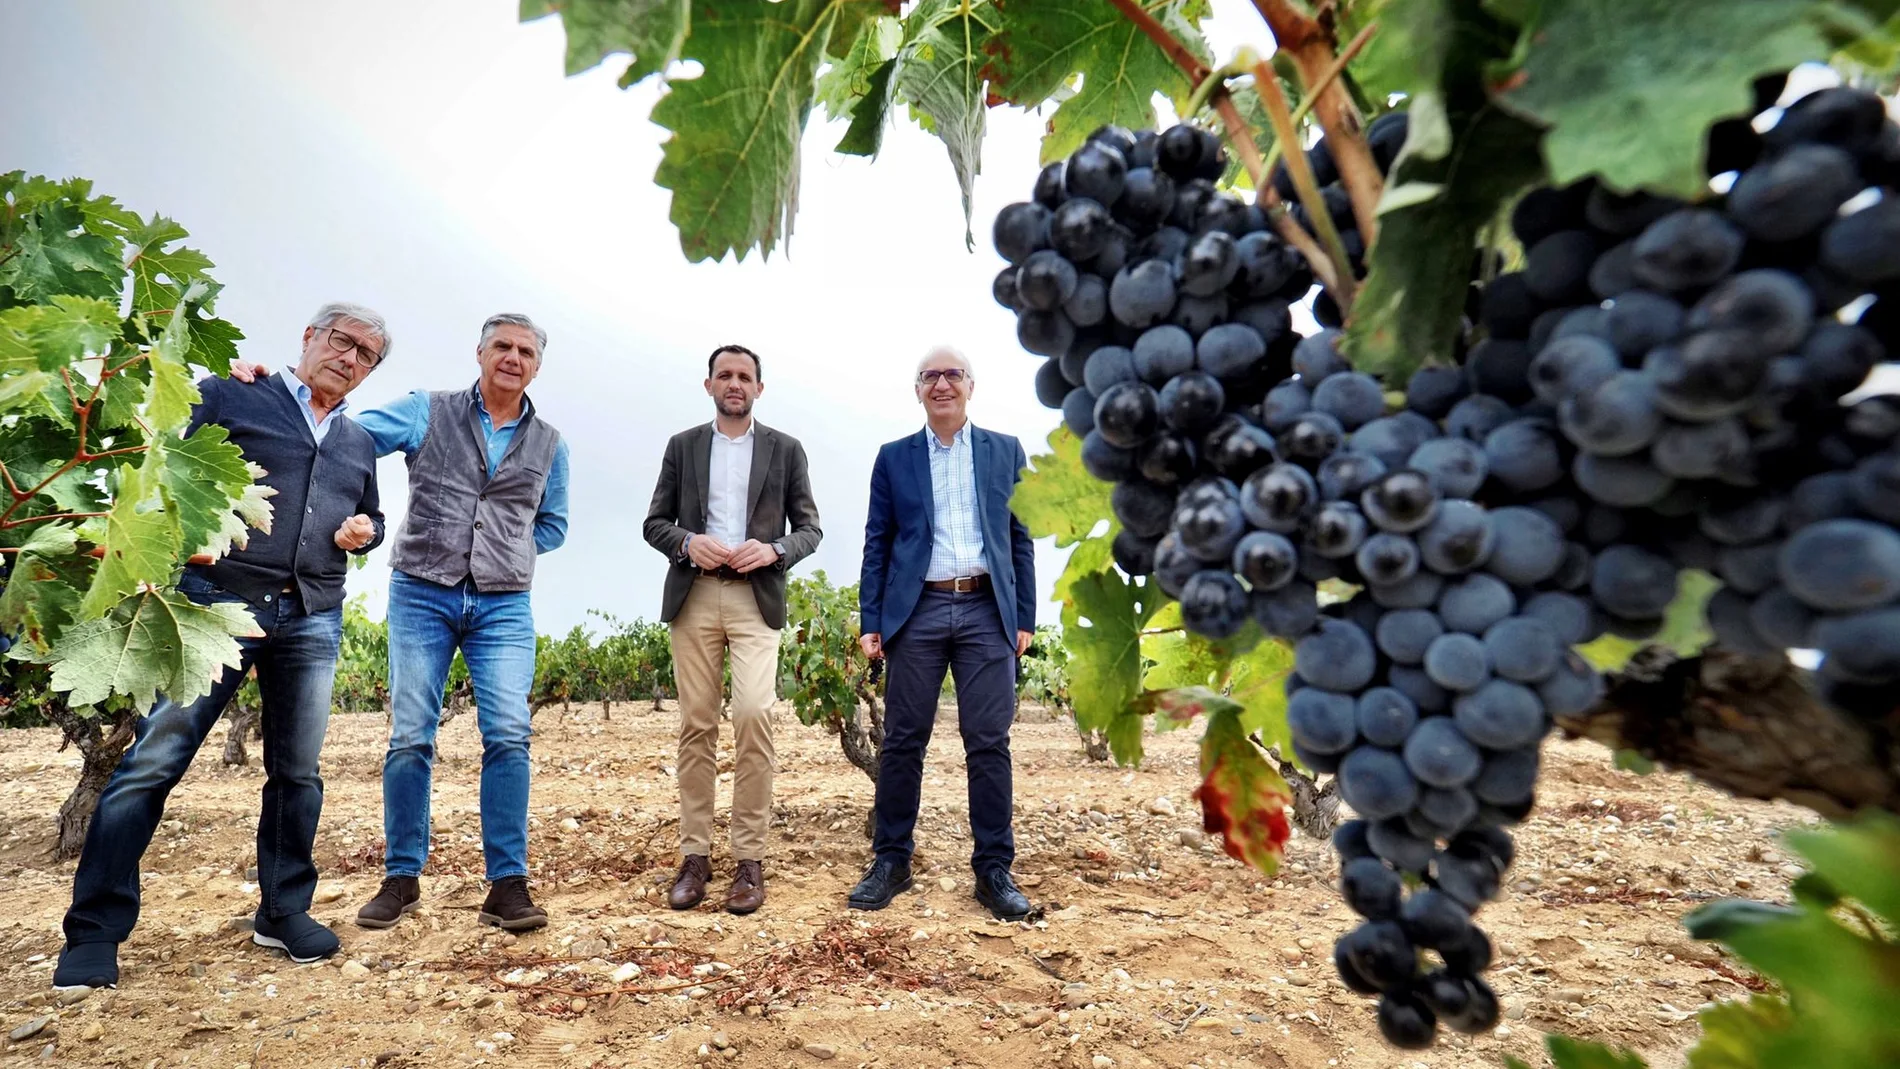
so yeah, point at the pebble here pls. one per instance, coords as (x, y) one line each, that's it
(721, 1041)
(626, 972)
(570, 824)
(94, 1031)
(355, 970)
(1102, 1061)
(74, 996)
(1192, 838)
(578, 1004)
(948, 883)
(824, 1052)
(327, 895)
(1743, 883)
(1292, 953)
(1036, 1018)
(1162, 806)
(30, 1029)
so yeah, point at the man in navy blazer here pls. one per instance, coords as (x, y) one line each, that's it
(949, 582)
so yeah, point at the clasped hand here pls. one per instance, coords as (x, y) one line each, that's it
(355, 533)
(709, 552)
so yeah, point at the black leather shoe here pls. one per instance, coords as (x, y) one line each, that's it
(998, 894)
(885, 881)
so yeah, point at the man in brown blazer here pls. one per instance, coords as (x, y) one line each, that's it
(732, 513)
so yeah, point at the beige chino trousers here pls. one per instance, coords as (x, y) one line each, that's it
(721, 616)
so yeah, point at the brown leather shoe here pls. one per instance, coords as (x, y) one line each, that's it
(689, 887)
(748, 888)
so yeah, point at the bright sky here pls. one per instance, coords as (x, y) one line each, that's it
(428, 158)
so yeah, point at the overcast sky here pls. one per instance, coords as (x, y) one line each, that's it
(428, 158)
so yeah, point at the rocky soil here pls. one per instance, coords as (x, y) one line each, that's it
(1154, 948)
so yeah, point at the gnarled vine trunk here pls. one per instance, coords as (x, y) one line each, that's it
(1750, 726)
(101, 743)
(242, 722)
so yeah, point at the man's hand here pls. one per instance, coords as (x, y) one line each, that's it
(356, 531)
(872, 644)
(1023, 639)
(245, 371)
(707, 551)
(752, 555)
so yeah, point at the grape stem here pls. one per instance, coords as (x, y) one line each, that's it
(1314, 51)
(1281, 116)
(1749, 726)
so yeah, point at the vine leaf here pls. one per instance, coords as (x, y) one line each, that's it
(47, 337)
(1058, 497)
(1633, 107)
(150, 643)
(1040, 45)
(1734, 1034)
(1258, 684)
(35, 601)
(52, 254)
(171, 394)
(1567, 1053)
(732, 162)
(857, 84)
(1242, 798)
(941, 74)
(142, 542)
(161, 275)
(649, 31)
(213, 490)
(1103, 613)
(1684, 629)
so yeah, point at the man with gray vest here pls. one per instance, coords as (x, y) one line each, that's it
(487, 493)
(323, 469)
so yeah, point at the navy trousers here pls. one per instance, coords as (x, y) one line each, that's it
(963, 634)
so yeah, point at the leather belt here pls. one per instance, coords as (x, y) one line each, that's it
(723, 572)
(963, 585)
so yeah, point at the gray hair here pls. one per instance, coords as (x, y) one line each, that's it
(513, 319)
(946, 350)
(369, 317)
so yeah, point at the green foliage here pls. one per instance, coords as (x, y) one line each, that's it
(1242, 798)
(1684, 630)
(650, 32)
(1042, 675)
(105, 319)
(1831, 955)
(820, 662)
(941, 75)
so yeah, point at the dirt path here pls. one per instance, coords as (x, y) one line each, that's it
(1156, 950)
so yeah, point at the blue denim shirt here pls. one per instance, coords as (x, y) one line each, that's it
(403, 423)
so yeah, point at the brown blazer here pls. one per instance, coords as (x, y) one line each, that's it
(781, 510)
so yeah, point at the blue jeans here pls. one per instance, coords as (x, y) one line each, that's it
(962, 633)
(296, 666)
(428, 622)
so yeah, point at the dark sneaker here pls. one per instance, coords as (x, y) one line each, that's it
(509, 908)
(998, 894)
(298, 935)
(83, 965)
(397, 896)
(748, 888)
(885, 881)
(689, 887)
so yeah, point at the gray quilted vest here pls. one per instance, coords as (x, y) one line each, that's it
(463, 521)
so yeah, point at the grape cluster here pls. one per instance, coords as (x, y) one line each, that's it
(1708, 363)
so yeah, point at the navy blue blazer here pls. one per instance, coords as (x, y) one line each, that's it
(897, 533)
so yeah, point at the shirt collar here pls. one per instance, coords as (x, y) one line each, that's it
(962, 437)
(527, 407)
(750, 426)
(301, 393)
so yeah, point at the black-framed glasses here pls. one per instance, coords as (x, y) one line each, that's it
(952, 375)
(343, 343)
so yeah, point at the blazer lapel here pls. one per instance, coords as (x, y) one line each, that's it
(764, 452)
(699, 467)
(980, 464)
(920, 470)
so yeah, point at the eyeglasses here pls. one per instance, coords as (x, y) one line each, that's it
(343, 343)
(952, 375)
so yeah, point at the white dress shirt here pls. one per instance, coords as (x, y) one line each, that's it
(728, 477)
(956, 537)
(301, 394)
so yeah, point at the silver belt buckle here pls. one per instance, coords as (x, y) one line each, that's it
(964, 584)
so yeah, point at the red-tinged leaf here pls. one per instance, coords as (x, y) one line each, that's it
(1179, 706)
(1242, 798)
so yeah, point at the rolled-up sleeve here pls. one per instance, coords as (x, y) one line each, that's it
(550, 520)
(399, 425)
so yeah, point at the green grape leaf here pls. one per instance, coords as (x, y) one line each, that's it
(1683, 630)
(847, 78)
(1243, 799)
(161, 275)
(1861, 860)
(941, 75)
(732, 160)
(650, 31)
(35, 599)
(1258, 683)
(1631, 761)
(1103, 613)
(1041, 45)
(1410, 308)
(1567, 1053)
(213, 490)
(142, 542)
(150, 643)
(1629, 88)
(52, 254)
(48, 337)
(865, 135)
(1058, 497)
(28, 390)
(1734, 1034)
(171, 394)
(1177, 707)
(213, 344)
(1124, 734)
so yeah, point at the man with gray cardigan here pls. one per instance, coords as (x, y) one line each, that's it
(732, 512)
(323, 469)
